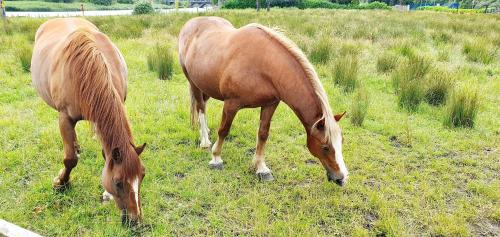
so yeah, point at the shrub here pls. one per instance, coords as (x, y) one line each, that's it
(373, 5)
(437, 86)
(407, 81)
(387, 62)
(345, 72)
(479, 51)
(303, 4)
(462, 107)
(102, 2)
(242, 4)
(143, 8)
(321, 51)
(161, 61)
(126, 1)
(24, 56)
(359, 107)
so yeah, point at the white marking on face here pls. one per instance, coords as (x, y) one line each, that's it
(107, 196)
(339, 159)
(135, 187)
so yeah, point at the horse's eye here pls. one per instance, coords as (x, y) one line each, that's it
(325, 148)
(119, 185)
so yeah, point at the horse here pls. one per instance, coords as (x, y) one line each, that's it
(79, 72)
(255, 66)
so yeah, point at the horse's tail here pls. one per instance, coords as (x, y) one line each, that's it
(194, 107)
(86, 66)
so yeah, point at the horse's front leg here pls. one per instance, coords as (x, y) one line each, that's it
(228, 113)
(71, 149)
(262, 171)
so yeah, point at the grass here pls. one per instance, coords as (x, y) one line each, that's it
(387, 62)
(41, 6)
(463, 107)
(409, 174)
(437, 86)
(479, 51)
(24, 55)
(359, 107)
(345, 72)
(408, 80)
(161, 61)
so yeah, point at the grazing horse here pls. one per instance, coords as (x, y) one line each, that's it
(255, 66)
(79, 72)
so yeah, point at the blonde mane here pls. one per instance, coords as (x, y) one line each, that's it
(100, 103)
(311, 75)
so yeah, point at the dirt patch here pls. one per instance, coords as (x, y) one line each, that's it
(311, 162)
(486, 228)
(370, 219)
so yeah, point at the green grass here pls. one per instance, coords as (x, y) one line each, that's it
(359, 107)
(463, 107)
(41, 6)
(161, 60)
(437, 86)
(408, 81)
(409, 174)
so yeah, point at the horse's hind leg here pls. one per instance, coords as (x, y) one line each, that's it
(228, 113)
(262, 171)
(198, 105)
(71, 149)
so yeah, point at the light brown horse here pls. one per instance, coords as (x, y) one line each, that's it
(79, 72)
(255, 66)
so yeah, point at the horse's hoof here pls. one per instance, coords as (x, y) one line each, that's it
(205, 145)
(265, 177)
(217, 166)
(59, 185)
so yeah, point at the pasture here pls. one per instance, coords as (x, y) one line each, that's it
(411, 172)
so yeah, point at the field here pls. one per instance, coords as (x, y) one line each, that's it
(411, 173)
(41, 6)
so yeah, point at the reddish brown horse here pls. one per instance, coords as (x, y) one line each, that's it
(255, 66)
(79, 72)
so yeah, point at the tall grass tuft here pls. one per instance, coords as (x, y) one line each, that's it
(161, 60)
(387, 62)
(321, 51)
(479, 51)
(359, 107)
(24, 55)
(437, 85)
(407, 81)
(463, 105)
(345, 72)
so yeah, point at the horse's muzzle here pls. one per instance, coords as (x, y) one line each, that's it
(332, 178)
(127, 221)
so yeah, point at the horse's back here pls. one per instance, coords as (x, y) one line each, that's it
(50, 40)
(225, 62)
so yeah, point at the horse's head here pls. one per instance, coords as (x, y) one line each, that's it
(122, 178)
(325, 142)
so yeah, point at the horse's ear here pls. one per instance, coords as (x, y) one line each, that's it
(320, 124)
(339, 116)
(140, 149)
(116, 156)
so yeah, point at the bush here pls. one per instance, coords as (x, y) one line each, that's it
(387, 62)
(24, 55)
(359, 107)
(462, 107)
(407, 81)
(303, 4)
(161, 61)
(437, 86)
(102, 2)
(345, 72)
(479, 51)
(373, 5)
(126, 1)
(242, 4)
(321, 51)
(143, 8)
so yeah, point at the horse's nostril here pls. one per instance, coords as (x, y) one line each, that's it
(340, 182)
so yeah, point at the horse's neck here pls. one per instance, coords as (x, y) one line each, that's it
(114, 131)
(302, 99)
